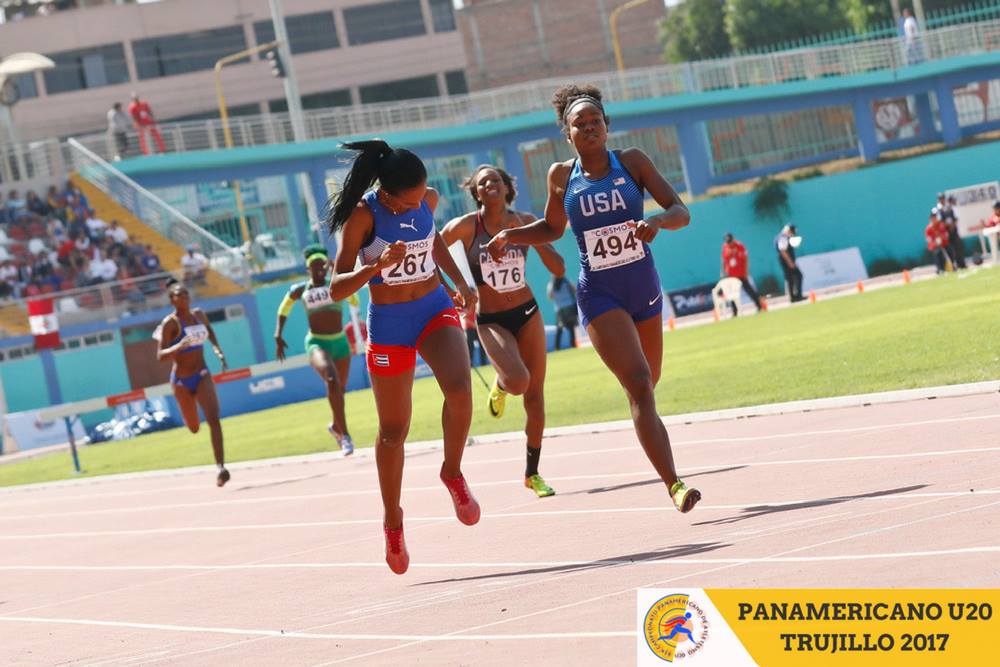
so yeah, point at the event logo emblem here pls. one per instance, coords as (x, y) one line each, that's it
(675, 627)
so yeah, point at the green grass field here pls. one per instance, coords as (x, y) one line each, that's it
(936, 332)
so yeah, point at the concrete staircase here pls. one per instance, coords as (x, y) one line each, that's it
(170, 253)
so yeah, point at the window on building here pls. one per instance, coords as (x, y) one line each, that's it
(306, 32)
(251, 109)
(403, 89)
(180, 53)
(455, 81)
(330, 98)
(443, 15)
(86, 68)
(26, 85)
(386, 20)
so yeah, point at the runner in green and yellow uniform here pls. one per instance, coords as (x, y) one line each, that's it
(326, 343)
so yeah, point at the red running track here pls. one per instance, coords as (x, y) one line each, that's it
(284, 565)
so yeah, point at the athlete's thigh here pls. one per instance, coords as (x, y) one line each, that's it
(447, 353)
(188, 406)
(651, 338)
(319, 360)
(502, 348)
(208, 399)
(614, 336)
(532, 347)
(393, 402)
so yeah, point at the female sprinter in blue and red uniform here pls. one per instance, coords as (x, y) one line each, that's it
(392, 230)
(510, 326)
(600, 194)
(182, 336)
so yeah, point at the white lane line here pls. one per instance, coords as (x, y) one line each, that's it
(380, 565)
(372, 491)
(625, 427)
(486, 515)
(631, 590)
(248, 632)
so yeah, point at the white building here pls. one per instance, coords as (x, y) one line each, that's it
(345, 52)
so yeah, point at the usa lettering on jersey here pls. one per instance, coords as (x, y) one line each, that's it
(602, 202)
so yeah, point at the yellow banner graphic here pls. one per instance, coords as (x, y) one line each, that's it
(882, 627)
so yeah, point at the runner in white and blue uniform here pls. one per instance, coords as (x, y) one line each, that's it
(391, 230)
(600, 194)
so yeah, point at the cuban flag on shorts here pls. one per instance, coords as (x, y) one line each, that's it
(44, 324)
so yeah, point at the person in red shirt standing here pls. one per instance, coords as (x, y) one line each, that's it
(142, 116)
(735, 264)
(936, 233)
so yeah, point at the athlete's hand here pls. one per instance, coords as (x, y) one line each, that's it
(466, 298)
(222, 359)
(497, 245)
(279, 348)
(646, 231)
(392, 255)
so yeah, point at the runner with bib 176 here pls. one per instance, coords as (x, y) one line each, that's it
(510, 326)
(600, 194)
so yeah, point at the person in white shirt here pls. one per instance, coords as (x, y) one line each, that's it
(194, 264)
(103, 270)
(119, 124)
(911, 37)
(96, 227)
(117, 233)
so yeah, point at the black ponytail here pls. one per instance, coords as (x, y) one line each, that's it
(395, 170)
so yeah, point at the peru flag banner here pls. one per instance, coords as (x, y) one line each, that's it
(43, 323)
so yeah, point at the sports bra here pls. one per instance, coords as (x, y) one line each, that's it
(414, 227)
(506, 275)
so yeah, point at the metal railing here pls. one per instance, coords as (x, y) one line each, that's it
(156, 213)
(108, 301)
(666, 80)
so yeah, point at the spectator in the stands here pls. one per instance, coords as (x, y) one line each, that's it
(36, 204)
(16, 207)
(42, 267)
(96, 227)
(56, 201)
(103, 270)
(8, 279)
(117, 233)
(150, 260)
(194, 264)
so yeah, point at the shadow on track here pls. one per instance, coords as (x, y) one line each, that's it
(280, 482)
(678, 551)
(649, 482)
(762, 510)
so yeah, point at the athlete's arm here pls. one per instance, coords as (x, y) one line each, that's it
(459, 229)
(550, 257)
(168, 331)
(284, 309)
(432, 197)
(200, 314)
(446, 263)
(548, 229)
(675, 214)
(346, 280)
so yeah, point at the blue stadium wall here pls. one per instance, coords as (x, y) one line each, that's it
(881, 209)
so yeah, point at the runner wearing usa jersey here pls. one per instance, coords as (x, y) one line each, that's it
(600, 194)
(391, 229)
(510, 326)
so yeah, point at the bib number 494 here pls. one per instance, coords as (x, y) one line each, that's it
(613, 245)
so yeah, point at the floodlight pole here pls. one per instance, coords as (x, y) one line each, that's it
(292, 96)
(226, 132)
